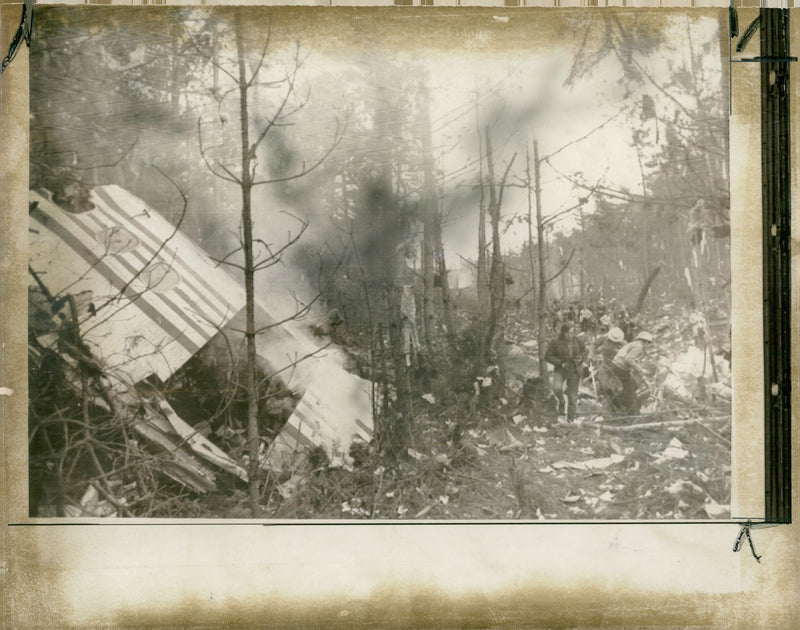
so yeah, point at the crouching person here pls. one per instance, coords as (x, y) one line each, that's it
(566, 353)
(627, 366)
(603, 353)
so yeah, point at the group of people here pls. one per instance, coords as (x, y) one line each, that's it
(591, 317)
(614, 364)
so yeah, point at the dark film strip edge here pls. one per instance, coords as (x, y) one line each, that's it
(776, 213)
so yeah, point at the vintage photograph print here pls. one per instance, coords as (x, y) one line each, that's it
(390, 264)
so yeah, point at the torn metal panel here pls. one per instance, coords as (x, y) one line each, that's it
(199, 444)
(150, 297)
(334, 410)
(335, 406)
(183, 468)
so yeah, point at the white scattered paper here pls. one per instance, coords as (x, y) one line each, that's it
(591, 464)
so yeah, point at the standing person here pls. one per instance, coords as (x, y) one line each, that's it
(554, 314)
(587, 319)
(625, 323)
(566, 354)
(627, 368)
(601, 313)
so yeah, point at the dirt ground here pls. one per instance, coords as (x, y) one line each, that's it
(498, 455)
(520, 463)
(484, 451)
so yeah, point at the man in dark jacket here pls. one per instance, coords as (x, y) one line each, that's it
(566, 353)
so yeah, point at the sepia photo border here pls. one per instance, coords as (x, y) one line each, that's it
(440, 574)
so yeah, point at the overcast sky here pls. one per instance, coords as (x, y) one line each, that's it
(522, 94)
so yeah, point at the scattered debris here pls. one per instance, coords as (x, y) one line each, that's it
(675, 450)
(489, 455)
(200, 445)
(682, 486)
(181, 467)
(503, 439)
(716, 510)
(425, 510)
(92, 505)
(120, 297)
(416, 454)
(591, 464)
(288, 488)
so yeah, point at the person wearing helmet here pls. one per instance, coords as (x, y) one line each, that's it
(627, 368)
(566, 353)
(603, 353)
(607, 346)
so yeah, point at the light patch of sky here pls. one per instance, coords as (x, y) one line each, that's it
(522, 97)
(529, 101)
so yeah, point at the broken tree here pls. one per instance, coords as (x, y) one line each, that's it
(248, 74)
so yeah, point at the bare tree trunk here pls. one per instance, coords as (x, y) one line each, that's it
(531, 263)
(175, 61)
(428, 219)
(645, 289)
(428, 314)
(481, 283)
(645, 215)
(441, 269)
(215, 56)
(253, 439)
(396, 435)
(582, 260)
(702, 276)
(433, 229)
(394, 428)
(541, 302)
(496, 275)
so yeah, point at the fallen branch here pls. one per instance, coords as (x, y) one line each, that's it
(663, 423)
(714, 433)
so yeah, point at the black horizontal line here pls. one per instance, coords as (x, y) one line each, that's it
(346, 523)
